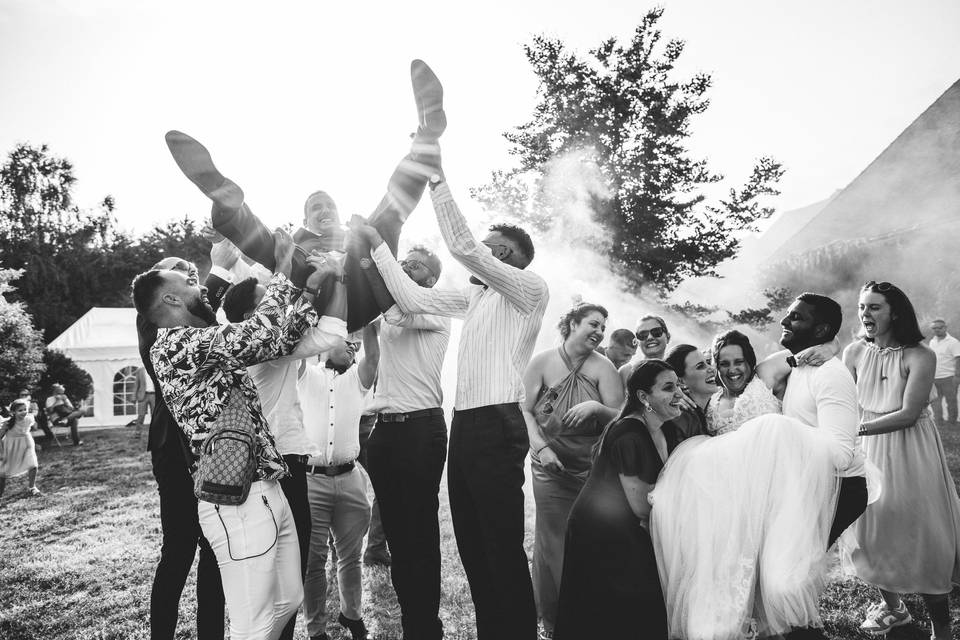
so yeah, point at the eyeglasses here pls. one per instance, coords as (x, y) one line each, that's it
(656, 332)
(882, 287)
(354, 344)
(413, 265)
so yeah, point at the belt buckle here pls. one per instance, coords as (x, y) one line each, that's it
(330, 471)
(400, 417)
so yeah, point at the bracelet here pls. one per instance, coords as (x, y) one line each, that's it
(313, 292)
(537, 452)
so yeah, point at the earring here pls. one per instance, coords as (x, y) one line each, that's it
(649, 408)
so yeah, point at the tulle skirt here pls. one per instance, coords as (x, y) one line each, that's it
(909, 540)
(740, 527)
(18, 454)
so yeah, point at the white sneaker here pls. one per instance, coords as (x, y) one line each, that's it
(881, 618)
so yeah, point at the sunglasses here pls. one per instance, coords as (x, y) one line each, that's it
(656, 332)
(413, 265)
(882, 287)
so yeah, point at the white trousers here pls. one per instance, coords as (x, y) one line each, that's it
(259, 557)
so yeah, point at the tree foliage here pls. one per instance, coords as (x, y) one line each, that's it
(21, 346)
(73, 259)
(623, 107)
(77, 383)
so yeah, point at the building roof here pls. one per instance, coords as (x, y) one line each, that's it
(102, 333)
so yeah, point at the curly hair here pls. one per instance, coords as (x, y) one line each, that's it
(576, 315)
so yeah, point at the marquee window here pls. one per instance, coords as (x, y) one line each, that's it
(125, 392)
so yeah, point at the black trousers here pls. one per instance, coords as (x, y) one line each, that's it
(294, 488)
(485, 481)
(851, 503)
(181, 537)
(405, 462)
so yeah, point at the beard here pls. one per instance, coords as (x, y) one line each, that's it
(339, 368)
(200, 308)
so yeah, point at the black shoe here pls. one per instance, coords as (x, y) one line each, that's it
(428, 94)
(78, 443)
(374, 559)
(357, 629)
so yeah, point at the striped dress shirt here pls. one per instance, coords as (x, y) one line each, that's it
(500, 321)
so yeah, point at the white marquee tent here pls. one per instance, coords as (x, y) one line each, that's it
(104, 343)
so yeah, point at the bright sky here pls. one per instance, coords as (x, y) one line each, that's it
(292, 97)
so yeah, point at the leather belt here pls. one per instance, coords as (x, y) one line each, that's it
(413, 415)
(335, 470)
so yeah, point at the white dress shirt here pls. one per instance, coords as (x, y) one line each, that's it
(501, 321)
(826, 397)
(411, 358)
(332, 404)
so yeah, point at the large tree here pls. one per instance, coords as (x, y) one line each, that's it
(73, 259)
(21, 346)
(624, 116)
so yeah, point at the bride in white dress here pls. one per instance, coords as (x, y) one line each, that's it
(740, 521)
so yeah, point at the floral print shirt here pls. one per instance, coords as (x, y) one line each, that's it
(199, 368)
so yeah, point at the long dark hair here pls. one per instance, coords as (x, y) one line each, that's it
(643, 378)
(734, 338)
(903, 319)
(677, 357)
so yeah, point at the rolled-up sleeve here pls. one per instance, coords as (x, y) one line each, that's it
(522, 288)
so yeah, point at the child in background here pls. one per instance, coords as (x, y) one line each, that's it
(18, 453)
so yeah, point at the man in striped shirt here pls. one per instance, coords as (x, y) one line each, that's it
(502, 310)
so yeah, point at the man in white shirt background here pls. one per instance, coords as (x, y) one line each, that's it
(947, 375)
(502, 310)
(331, 395)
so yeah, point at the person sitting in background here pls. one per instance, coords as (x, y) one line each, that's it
(61, 412)
(39, 416)
(570, 394)
(622, 347)
(652, 338)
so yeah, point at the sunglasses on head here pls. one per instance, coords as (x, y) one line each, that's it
(656, 332)
(883, 287)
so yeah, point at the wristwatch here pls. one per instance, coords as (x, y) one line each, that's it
(313, 292)
(435, 181)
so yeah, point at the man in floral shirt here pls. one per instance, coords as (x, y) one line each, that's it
(201, 368)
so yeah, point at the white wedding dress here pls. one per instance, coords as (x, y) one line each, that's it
(741, 521)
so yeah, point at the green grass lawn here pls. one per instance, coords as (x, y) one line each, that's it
(78, 562)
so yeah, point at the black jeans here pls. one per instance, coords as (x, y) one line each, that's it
(294, 488)
(485, 481)
(405, 463)
(851, 503)
(181, 536)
